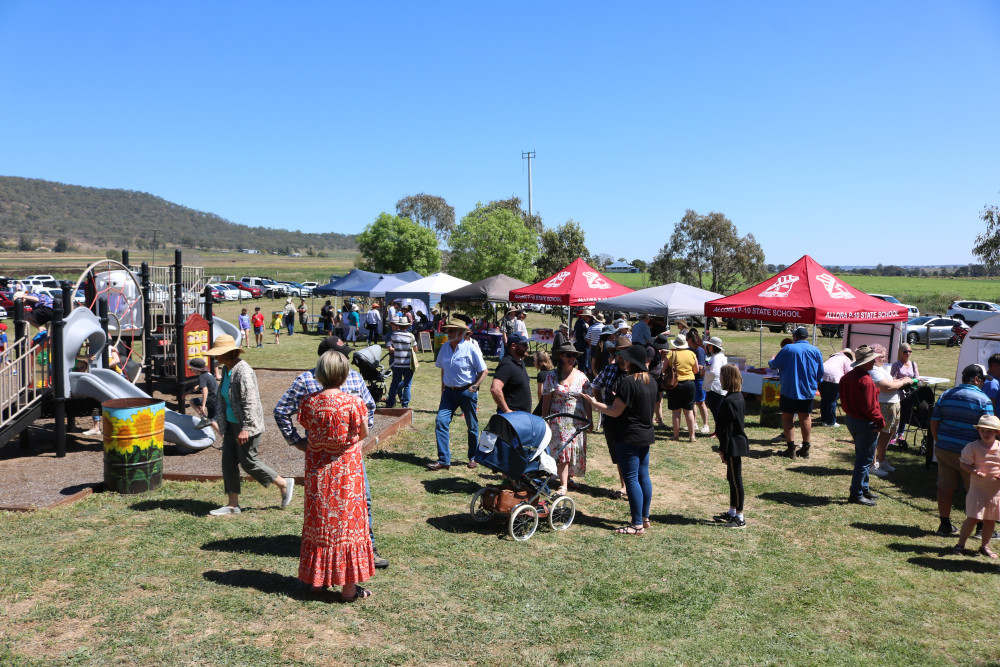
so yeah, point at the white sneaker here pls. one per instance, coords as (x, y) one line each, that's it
(289, 490)
(92, 431)
(704, 429)
(224, 510)
(878, 472)
(886, 466)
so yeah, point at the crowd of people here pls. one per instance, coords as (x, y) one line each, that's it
(616, 383)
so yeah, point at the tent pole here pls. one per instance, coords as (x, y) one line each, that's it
(760, 358)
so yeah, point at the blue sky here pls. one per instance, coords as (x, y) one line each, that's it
(856, 132)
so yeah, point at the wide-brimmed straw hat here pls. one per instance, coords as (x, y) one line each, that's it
(565, 348)
(623, 325)
(635, 355)
(513, 309)
(223, 343)
(991, 422)
(716, 342)
(458, 324)
(400, 321)
(584, 311)
(679, 342)
(863, 355)
(563, 325)
(599, 318)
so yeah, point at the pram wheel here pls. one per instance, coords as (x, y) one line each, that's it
(523, 522)
(561, 513)
(477, 507)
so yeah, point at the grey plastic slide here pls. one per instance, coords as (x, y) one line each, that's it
(221, 326)
(104, 385)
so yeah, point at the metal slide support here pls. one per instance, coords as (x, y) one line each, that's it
(147, 328)
(102, 315)
(179, 343)
(67, 296)
(58, 374)
(125, 259)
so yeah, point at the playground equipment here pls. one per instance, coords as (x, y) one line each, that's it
(157, 322)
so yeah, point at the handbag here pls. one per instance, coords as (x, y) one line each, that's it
(668, 376)
(414, 364)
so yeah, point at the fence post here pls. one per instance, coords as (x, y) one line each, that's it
(179, 342)
(58, 380)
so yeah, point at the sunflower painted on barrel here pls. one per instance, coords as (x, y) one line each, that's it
(133, 444)
(770, 402)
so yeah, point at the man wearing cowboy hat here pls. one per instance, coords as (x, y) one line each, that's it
(306, 384)
(859, 401)
(952, 426)
(801, 368)
(508, 326)
(403, 345)
(462, 371)
(511, 387)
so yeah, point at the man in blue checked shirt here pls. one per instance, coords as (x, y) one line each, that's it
(462, 371)
(306, 385)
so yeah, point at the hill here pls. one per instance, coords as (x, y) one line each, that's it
(41, 212)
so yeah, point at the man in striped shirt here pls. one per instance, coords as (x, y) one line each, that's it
(953, 426)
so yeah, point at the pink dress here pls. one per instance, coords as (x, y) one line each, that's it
(563, 428)
(983, 499)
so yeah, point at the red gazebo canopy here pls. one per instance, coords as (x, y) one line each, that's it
(805, 292)
(578, 284)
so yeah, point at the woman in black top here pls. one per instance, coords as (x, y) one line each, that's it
(632, 432)
(733, 445)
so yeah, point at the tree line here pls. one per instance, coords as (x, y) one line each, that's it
(501, 237)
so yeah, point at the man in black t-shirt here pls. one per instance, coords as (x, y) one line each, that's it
(204, 402)
(511, 388)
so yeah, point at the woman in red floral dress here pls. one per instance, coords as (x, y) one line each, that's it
(336, 547)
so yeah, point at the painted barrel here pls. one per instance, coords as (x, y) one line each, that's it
(133, 444)
(770, 403)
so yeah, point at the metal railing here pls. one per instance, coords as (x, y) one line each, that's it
(25, 377)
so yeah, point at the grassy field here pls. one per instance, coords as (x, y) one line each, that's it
(149, 580)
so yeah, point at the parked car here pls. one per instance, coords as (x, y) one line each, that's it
(269, 287)
(296, 289)
(916, 329)
(3, 313)
(831, 330)
(227, 292)
(973, 312)
(255, 292)
(40, 276)
(311, 285)
(914, 311)
(7, 301)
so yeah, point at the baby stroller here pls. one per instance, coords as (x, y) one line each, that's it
(915, 413)
(513, 444)
(369, 363)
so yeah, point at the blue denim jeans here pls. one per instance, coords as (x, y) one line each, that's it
(634, 464)
(865, 437)
(290, 325)
(451, 399)
(829, 392)
(402, 378)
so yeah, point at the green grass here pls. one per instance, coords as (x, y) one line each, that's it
(149, 580)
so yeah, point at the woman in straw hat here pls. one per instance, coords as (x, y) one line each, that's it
(239, 417)
(680, 399)
(560, 393)
(981, 459)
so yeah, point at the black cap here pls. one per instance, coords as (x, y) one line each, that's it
(333, 343)
(516, 338)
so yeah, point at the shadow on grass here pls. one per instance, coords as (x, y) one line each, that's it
(402, 457)
(464, 523)
(600, 522)
(796, 499)
(920, 549)
(441, 485)
(268, 582)
(956, 564)
(893, 529)
(674, 520)
(182, 505)
(819, 471)
(761, 454)
(274, 545)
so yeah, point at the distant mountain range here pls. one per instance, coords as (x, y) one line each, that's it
(42, 212)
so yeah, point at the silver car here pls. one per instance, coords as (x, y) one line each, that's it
(916, 329)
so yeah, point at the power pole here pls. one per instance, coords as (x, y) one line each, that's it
(152, 262)
(529, 156)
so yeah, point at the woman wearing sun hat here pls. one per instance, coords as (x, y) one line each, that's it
(560, 393)
(681, 398)
(239, 417)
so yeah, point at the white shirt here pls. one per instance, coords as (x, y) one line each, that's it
(713, 373)
(880, 374)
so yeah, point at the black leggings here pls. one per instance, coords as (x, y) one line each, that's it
(734, 473)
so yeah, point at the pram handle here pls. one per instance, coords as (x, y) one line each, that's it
(586, 425)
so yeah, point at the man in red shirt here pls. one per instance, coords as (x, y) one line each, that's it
(859, 400)
(257, 320)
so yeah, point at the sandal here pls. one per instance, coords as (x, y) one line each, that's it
(958, 549)
(359, 592)
(645, 523)
(987, 552)
(630, 530)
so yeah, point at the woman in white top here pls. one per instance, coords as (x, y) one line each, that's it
(888, 403)
(714, 393)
